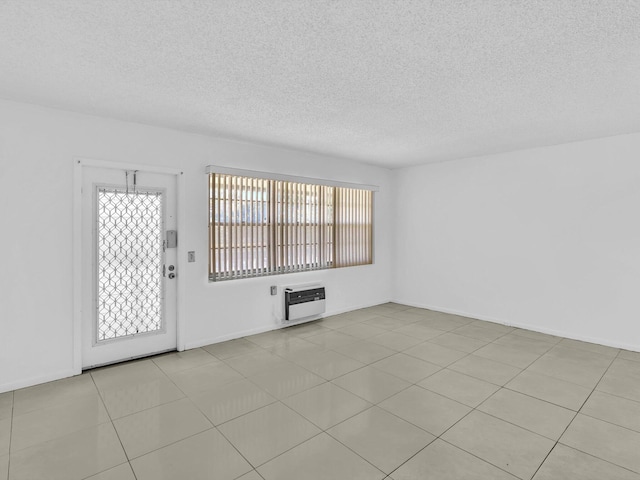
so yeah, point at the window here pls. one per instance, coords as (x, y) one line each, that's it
(267, 226)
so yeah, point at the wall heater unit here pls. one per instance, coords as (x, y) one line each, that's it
(303, 302)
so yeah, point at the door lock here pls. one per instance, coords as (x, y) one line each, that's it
(172, 275)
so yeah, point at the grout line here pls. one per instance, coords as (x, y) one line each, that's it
(539, 399)
(575, 416)
(597, 383)
(104, 405)
(356, 322)
(255, 467)
(13, 405)
(598, 458)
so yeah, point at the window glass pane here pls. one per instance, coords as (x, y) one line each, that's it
(264, 227)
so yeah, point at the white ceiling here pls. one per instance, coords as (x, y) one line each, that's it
(386, 82)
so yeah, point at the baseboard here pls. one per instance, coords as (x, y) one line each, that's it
(230, 336)
(30, 382)
(525, 326)
(268, 328)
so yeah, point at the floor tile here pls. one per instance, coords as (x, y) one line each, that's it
(4, 467)
(527, 412)
(49, 423)
(537, 335)
(516, 357)
(450, 318)
(622, 379)
(362, 330)
(326, 405)
(593, 358)
(502, 444)
(603, 440)
(442, 321)
(204, 456)
(207, 377)
(178, 361)
(252, 475)
(356, 379)
(397, 306)
(550, 389)
(459, 342)
(457, 386)
(126, 374)
(255, 363)
(376, 311)
(524, 344)
(6, 405)
(135, 397)
(566, 463)
(232, 348)
(5, 435)
(365, 352)
(590, 347)
(395, 341)
(294, 347)
(151, 429)
(321, 458)
(442, 461)
(371, 384)
(333, 339)
(629, 355)
(479, 332)
(52, 393)
(425, 409)
(408, 368)
(121, 472)
(567, 370)
(485, 369)
(409, 315)
(231, 400)
(337, 322)
(572, 365)
(265, 433)
(72, 457)
(496, 327)
(306, 329)
(328, 364)
(381, 438)
(387, 323)
(269, 339)
(286, 380)
(612, 409)
(437, 354)
(418, 330)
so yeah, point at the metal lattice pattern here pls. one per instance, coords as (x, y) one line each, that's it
(129, 235)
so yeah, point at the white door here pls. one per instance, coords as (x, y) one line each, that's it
(129, 269)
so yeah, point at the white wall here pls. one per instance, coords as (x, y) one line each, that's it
(547, 239)
(37, 148)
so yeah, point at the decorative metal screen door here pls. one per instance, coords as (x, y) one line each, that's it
(129, 271)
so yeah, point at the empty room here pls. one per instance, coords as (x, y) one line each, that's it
(319, 240)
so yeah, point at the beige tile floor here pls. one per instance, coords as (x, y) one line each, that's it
(387, 392)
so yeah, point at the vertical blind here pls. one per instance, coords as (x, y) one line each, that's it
(263, 226)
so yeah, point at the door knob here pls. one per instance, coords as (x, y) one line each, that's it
(172, 275)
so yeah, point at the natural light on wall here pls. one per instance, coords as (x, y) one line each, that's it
(262, 224)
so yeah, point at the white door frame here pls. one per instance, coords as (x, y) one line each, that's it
(79, 164)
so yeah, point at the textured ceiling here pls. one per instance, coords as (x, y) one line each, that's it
(385, 82)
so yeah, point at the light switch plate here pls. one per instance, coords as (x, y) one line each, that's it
(191, 256)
